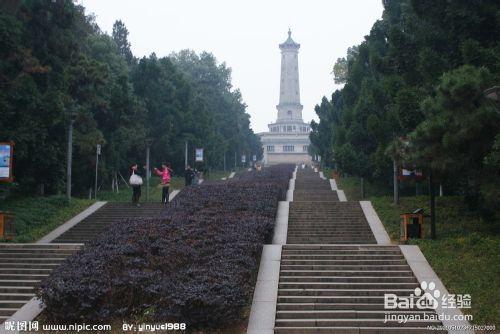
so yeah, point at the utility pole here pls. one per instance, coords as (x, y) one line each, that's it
(69, 160)
(432, 205)
(395, 179)
(148, 167)
(186, 155)
(97, 153)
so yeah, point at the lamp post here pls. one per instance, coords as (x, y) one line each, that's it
(69, 157)
(97, 154)
(149, 141)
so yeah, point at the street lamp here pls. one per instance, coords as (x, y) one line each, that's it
(149, 141)
(70, 111)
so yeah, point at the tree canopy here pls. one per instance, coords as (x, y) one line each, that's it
(56, 65)
(418, 77)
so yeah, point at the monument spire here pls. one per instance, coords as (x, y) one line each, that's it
(289, 107)
(288, 138)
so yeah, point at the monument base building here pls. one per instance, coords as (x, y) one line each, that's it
(287, 140)
(289, 144)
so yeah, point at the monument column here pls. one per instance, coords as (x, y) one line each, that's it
(289, 107)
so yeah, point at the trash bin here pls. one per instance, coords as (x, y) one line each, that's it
(7, 230)
(412, 225)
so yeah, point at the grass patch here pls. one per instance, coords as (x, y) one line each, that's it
(125, 194)
(37, 216)
(465, 254)
(215, 175)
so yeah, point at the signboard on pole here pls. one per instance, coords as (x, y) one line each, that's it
(243, 159)
(198, 156)
(6, 154)
(254, 158)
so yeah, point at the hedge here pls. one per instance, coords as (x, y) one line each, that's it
(194, 264)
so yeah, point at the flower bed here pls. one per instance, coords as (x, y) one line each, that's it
(194, 264)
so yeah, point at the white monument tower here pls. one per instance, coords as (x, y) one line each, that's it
(288, 138)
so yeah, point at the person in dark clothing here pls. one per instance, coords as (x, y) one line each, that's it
(135, 182)
(188, 176)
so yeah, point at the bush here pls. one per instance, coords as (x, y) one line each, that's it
(194, 264)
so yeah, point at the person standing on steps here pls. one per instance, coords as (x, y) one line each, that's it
(166, 174)
(188, 176)
(136, 183)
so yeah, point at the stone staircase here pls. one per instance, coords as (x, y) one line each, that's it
(332, 222)
(22, 267)
(333, 275)
(94, 224)
(340, 289)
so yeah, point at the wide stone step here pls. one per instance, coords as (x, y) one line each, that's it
(326, 222)
(34, 253)
(347, 280)
(16, 296)
(343, 262)
(366, 267)
(25, 271)
(329, 234)
(5, 282)
(24, 276)
(12, 304)
(329, 240)
(321, 328)
(37, 246)
(339, 252)
(353, 323)
(355, 330)
(12, 265)
(326, 226)
(56, 260)
(6, 311)
(287, 256)
(331, 299)
(348, 273)
(305, 226)
(349, 314)
(336, 306)
(17, 289)
(353, 247)
(345, 285)
(344, 292)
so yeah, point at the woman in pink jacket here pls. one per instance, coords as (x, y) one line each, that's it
(166, 174)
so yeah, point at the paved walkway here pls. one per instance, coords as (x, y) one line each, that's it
(333, 275)
(23, 266)
(331, 265)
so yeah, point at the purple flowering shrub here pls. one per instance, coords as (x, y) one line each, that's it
(196, 263)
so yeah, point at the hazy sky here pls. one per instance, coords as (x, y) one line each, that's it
(245, 35)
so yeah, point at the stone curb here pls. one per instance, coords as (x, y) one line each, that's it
(265, 296)
(70, 223)
(424, 272)
(341, 195)
(376, 226)
(333, 184)
(281, 226)
(173, 194)
(28, 312)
